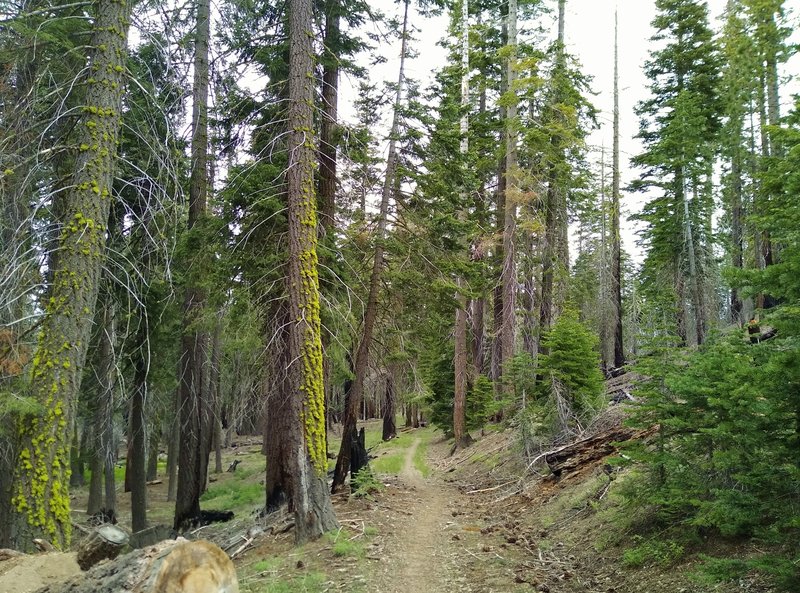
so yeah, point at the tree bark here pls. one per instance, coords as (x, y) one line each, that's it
(460, 351)
(389, 409)
(102, 408)
(309, 499)
(41, 494)
(508, 276)
(195, 405)
(136, 463)
(355, 395)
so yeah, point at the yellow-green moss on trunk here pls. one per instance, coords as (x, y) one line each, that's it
(42, 476)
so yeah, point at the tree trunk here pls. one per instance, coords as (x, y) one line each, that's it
(136, 463)
(103, 407)
(389, 410)
(195, 406)
(173, 447)
(42, 495)
(330, 101)
(616, 239)
(460, 351)
(216, 392)
(356, 393)
(171, 565)
(554, 264)
(496, 370)
(307, 461)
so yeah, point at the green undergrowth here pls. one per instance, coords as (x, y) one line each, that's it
(420, 458)
(312, 568)
(233, 494)
(240, 489)
(389, 464)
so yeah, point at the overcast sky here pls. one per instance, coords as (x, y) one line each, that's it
(590, 37)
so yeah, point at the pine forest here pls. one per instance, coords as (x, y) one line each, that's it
(466, 313)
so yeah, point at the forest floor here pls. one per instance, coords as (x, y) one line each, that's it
(436, 522)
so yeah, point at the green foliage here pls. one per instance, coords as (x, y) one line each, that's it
(312, 582)
(345, 545)
(389, 464)
(570, 370)
(364, 483)
(420, 459)
(653, 551)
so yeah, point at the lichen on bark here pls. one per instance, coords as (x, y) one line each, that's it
(42, 478)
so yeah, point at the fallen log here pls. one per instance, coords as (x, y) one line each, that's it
(104, 543)
(174, 566)
(585, 451)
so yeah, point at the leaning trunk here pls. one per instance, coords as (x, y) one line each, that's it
(356, 393)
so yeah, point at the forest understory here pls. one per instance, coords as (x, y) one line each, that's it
(434, 522)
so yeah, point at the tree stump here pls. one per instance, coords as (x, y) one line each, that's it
(173, 566)
(358, 453)
(105, 542)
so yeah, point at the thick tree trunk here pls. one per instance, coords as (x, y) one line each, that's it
(305, 435)
(171, 565)
(356, 393)
(195, 406)
(42, 495)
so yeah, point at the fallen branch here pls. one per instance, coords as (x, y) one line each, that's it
(492, 489)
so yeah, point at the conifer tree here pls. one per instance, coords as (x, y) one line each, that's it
(679, 124)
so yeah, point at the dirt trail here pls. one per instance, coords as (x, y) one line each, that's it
(421, 556)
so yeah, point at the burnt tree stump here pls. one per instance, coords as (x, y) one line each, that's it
(358, 453)
(104, 542)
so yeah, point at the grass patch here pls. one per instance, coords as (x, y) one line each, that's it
(344, 546)
(312, 582)
(389, 463)
(420, 458)
(233, 494)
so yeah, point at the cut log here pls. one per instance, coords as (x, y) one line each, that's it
(176, 566)
(6, 553)
(105, 542)
(585, 451)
